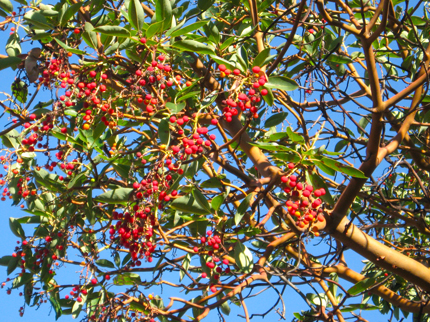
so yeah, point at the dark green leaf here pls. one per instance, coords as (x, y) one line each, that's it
(120, 195)
(55, 301)
(105, 263)
(282, 82)
(204, 5)
(21, 280)
(193, 46)
(318, 183)
(361, 286)
(20, 91)
(201, 200)
(242, 209)
(9, 62)
(189, 28)
(70, 49)
(38, 20)
(188, 204)
(275, 119)
(16, 228)
(338, 166)
(261, 57)
(164, 132)
(13, 47)
(154, 29)
(294, 136)
(4, 261)
(113, 31)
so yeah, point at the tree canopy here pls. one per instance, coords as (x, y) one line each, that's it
(223, 149)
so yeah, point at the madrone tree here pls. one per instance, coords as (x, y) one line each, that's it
(207, 147)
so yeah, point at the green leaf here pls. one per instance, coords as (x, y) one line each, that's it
(16, 228)
(269, 98)
(154, 29)
(6, 5)
(164, 132)
(163, 12)
(13, 47)
(189, 28)
(363, 123)
(243, 257)
(21, 280)
(38, 20)
(225, 308)
(229, 64)
(294, 136)
(9, 62)
(77, 307)
(318, 183)
(275, 119)
(282, 82)
(105, 263)
(4, 261)
(261, 57)
(204, 5)
(338, 166)
(185, 265)
(175, 108)
(201, 200)
(12, 265)
(55, 302)
(127, 279)
(361, 286)
(241, 210)
(188, 204)
(70, 49)
(120, 195)
(136, 14)
(339, 59)
(113, 31)
(20, 91)
(69, 13)
(89, 36)
(193, 46)
(271, 146)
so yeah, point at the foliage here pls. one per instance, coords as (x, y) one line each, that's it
(208, 146)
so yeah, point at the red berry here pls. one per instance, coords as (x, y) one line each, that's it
(256, 69)
(143, 40)
(76, 31)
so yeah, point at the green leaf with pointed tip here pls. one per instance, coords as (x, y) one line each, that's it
(243, 257)
(201, 200)
(105, 263)
(9, 62)
(70, 49)
(154, 29)
(230, 65)
(346, 169)
(16, 228)
(136, 14)
(188, 204)
(21, 280)
(120, 195)
(261, 57)
(269, 98)
(55, 302)
(77, 307)
(69, 13)
(189, 28)
(361, 286)
(318, 183)
(163, 12)
(4, 261)
(175, 108)
(275, 119)
(113, 31)
(282, 82)
(294, 136)
(164, 132)
(193, 46)
(242, 209)
(13, 46)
